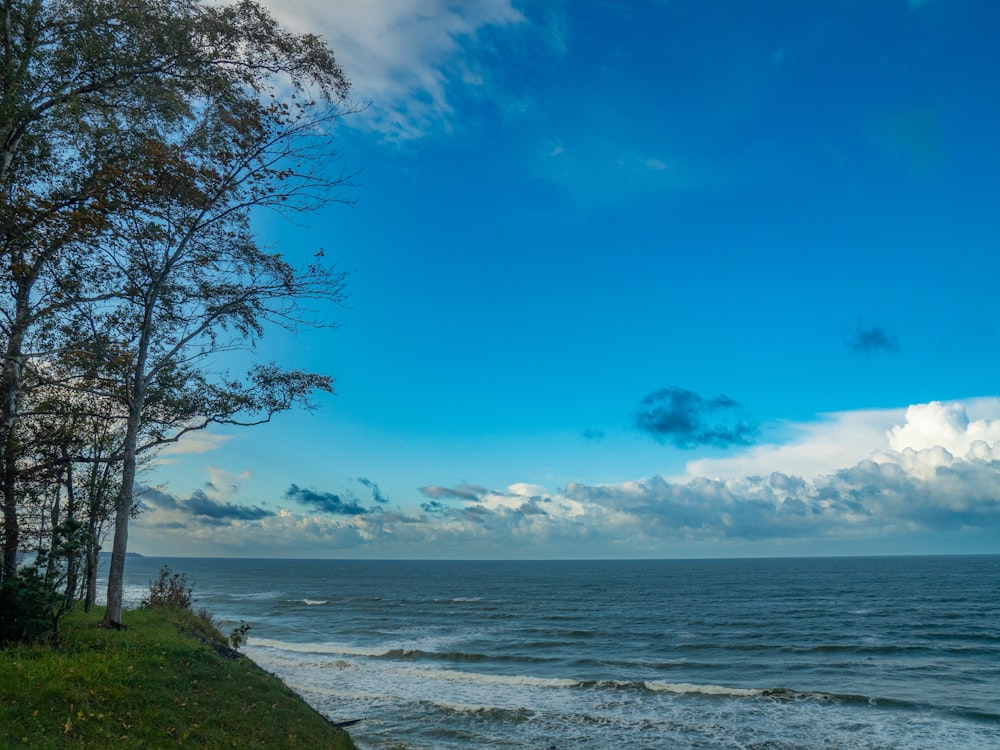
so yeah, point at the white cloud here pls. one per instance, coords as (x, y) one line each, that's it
(224, 486)
(954, 426)
(403, 57)
(838, 439)
(199, 441)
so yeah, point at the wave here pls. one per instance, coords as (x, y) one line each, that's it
(680, 689)
(686, 688)
(251, 596)
(313, 648)
(403, 654)
(789, 695)
(451, 675)
(315, 602)
(858, 649)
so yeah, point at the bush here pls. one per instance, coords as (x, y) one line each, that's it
(239, 635)
(169, 590)
(30, 608)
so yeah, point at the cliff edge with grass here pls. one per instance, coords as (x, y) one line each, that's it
(169, 680)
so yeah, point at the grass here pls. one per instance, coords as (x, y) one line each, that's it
(165, 682)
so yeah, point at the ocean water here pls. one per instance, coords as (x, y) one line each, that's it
(768, 654)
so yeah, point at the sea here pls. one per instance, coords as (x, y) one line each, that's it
(873, 653)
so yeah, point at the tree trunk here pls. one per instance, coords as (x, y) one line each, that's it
(123, 509)
(10, 402)
(99, 482)
(73, 559)
(123, 504)
(53, 562)
(93, 552)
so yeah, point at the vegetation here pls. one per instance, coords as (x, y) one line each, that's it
(166, 681)
(136, 141)
(169, 590)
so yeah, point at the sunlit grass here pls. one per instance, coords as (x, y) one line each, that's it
(161, 683)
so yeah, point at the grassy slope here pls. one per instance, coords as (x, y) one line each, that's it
(160, 684)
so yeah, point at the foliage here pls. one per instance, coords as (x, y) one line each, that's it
(135, 141)
(158, 684)
(239, 634)
(169, 590)
(30, 607)
(33, 602)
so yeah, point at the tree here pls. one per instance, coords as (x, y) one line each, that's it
(72, 439)
(196, 285)
(86, 86)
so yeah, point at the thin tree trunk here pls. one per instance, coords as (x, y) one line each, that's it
(73, 558)
(54, 520)
(10, 403)
(123, 504)
(99, 483)
(123, 509)
(93, 551)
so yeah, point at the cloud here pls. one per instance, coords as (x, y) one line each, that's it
(199, 504)
(406, 58)
(954, 426)
(191, 443)
(682, 417)
(325, 501)
(928, 490)
(157, 497)
(822, 446)
(874, 338)
(377, 495)
(433, 507)
(891, 494)
(462, 492)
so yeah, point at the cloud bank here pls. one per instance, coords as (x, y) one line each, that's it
(932, 467)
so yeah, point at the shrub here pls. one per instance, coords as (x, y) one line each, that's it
(30, 608)
(239, 635)
(169, 590)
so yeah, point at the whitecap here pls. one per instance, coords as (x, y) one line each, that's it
(313, 648)
(493, 679)
(686, 688)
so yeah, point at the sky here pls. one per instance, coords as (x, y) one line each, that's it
(674, 278)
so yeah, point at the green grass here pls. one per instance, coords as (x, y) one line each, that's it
(162, 683)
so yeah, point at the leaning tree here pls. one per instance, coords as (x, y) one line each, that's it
(135, 138)
(193, 282)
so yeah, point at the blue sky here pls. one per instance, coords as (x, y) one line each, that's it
(649, 279)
